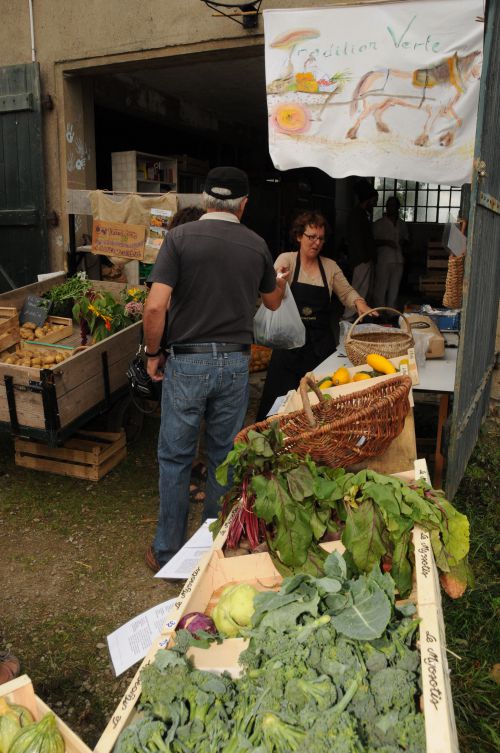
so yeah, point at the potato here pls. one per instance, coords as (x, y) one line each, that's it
(10, 359)
(39, 332)
(59, 358)
(36, 362)
(29, 325)
(26, 334)
(48, 360)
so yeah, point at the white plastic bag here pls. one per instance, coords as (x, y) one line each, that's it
(282, 329)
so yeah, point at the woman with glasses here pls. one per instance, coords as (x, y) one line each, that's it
(314, 280)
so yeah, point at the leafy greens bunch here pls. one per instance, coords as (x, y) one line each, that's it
(293, 504)
(330, 665)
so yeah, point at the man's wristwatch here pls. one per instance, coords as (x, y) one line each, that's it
(152, 355)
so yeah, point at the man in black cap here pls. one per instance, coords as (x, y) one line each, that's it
(361, 247)
(208, 275)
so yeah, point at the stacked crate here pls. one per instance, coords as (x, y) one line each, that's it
(433, 282)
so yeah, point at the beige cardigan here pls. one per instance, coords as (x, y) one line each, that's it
(335, 278)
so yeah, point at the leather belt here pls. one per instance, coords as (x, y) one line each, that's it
(209, 348)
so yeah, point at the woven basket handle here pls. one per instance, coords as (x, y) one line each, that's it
(380, 308)
(306, 382)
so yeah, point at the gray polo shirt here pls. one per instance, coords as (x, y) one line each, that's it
(216, 267)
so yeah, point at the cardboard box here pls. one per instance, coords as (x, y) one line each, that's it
(214, 572)
(20, 690)
(425, 324)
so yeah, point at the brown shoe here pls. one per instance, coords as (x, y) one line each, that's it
(151, 560)
(9, 667)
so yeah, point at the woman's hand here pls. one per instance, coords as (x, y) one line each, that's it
(363, 308)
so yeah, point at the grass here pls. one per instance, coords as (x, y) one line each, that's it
(473, 622)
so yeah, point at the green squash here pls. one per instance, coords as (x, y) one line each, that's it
(9, 728)
(40, 737)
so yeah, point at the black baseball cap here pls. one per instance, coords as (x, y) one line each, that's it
(227, 183)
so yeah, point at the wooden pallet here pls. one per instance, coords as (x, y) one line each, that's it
(88, 455)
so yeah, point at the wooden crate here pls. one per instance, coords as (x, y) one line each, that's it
(60, 334)
(437, 255)
(214, 572)
(87, 455)
(20, 690)
(80, 387)
(9, 327)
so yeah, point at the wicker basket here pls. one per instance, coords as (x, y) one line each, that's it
(388, 344)
(343, 430)
(260, 358)
(452, 298)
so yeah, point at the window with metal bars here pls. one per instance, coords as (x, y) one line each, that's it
(420, 202)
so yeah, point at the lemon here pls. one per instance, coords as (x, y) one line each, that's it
(360, 375)
(341, 376)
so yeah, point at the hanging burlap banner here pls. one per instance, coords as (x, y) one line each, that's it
(131, 209)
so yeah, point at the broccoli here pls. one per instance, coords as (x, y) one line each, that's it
(341, 662)
(279, 736)
(374, 660)
(320, 692)
(151, 736)
(393, 689)
(128, 741)
(333, 732)
(160, 694)
(411, 733)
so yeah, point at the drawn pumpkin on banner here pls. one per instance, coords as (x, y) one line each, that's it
(291, 118)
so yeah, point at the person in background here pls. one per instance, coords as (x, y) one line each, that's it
(208, 275)
(360, 242)
(314, 279)
(186, 214)
(391, 235)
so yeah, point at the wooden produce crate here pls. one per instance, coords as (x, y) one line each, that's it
(214, 572)
(65, 330)
(49, 405)
(437, 255)
(87, 455)
(20, 690)
(9, 327)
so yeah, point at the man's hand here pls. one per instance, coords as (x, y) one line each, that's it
(155, 367)
(363, 308)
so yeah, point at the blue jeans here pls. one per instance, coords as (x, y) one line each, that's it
(210, 386)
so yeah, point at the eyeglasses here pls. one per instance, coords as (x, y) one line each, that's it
(314, 238)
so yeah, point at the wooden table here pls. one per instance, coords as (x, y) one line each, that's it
(436, 376)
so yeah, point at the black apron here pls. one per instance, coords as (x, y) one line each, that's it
(287, 367)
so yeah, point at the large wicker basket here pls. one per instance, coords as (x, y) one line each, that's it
(454, 282)
(358, 345)
(343, 430)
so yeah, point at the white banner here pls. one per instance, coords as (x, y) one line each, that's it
(388, 90)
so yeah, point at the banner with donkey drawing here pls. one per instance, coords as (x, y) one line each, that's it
(385, 89)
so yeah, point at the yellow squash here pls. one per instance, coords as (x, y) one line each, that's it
(359, 376)
(325, 384)
(380, 363)
(341, 376)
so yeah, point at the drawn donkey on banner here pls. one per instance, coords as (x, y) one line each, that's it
(453, 73)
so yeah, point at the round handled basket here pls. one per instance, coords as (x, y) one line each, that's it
(388, 344)
(343, 430)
